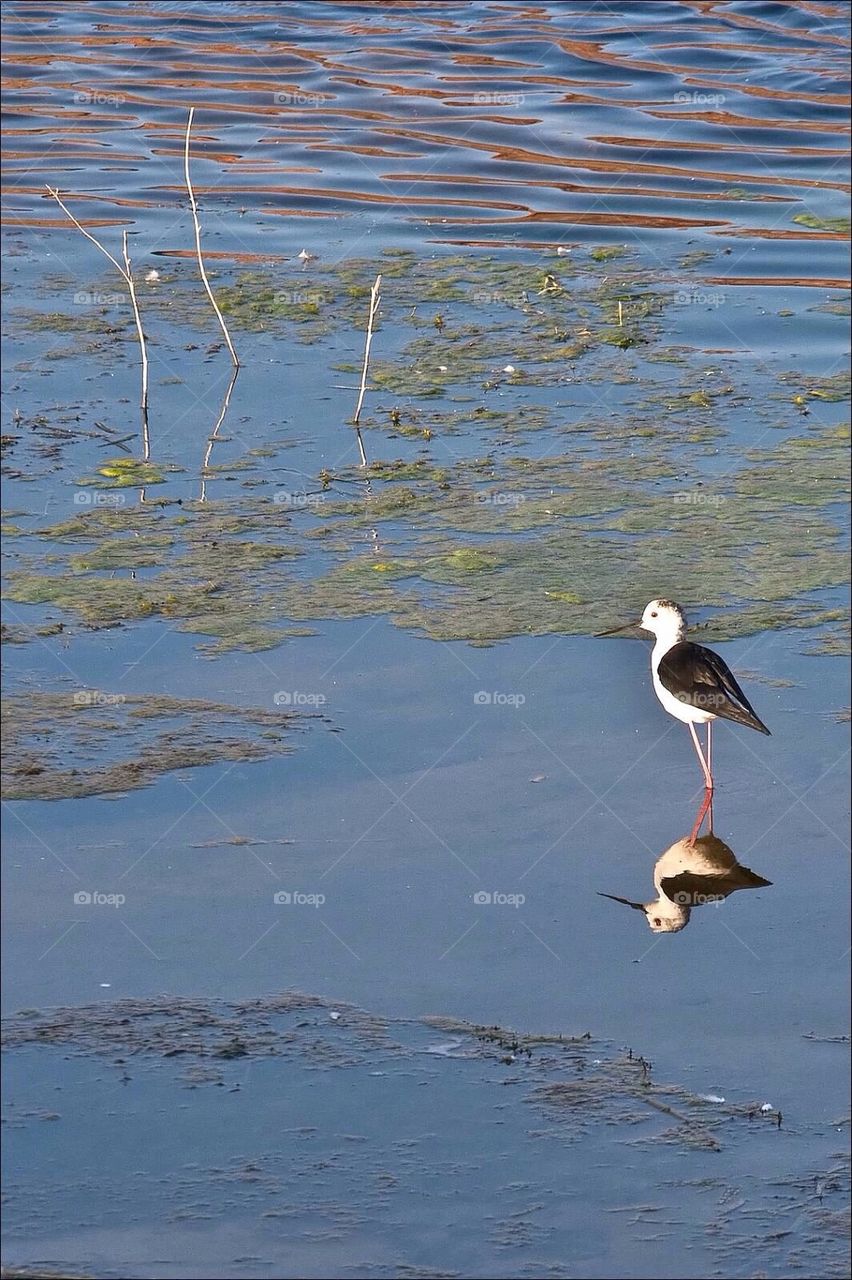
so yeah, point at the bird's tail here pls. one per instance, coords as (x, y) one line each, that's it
(742, 715)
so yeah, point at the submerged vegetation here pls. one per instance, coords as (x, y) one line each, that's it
(548, 443)
(61, 745)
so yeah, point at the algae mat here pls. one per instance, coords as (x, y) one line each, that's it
(61, 745)
(542, 443)
(317, 1137)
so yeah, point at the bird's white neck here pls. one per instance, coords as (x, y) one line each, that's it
(667, 637)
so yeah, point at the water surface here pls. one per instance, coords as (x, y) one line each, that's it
(439, 769)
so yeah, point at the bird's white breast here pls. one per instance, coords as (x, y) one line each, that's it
(680, 710)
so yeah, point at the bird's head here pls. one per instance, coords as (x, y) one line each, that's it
(663, 916)
(664, 619)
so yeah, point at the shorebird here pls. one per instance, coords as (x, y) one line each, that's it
(693, 683)
(692, 873)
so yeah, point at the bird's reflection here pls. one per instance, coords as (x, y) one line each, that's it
(696, 871)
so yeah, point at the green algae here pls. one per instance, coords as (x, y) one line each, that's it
(606, 253)
(508, 538)
(64, 322)
(815, 223)
(89, 742)
(123, 473)
(598, 520)
(832, 388)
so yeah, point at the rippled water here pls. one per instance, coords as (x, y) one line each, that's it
(611, 361)
(502, 122)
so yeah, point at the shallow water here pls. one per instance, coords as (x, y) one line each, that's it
(429, 719)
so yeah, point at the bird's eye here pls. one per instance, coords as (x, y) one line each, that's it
(654, 613)
(657, 921)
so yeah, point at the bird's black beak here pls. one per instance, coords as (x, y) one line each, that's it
(613, 631)
(637, 906)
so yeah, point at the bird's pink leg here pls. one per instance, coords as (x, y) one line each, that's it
(702, 812)
(705, 768)
(710, 767)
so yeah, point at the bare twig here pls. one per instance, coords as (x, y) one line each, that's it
(214, 435)
(197, 224)
(126, 274)
(146, 444)
(375, 299)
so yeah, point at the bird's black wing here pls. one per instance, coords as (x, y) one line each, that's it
(695, 890)
(700, 678)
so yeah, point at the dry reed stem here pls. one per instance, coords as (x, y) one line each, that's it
(137, 317)
(194, 207)
(212, 439)
(126, 274)
(375, 299)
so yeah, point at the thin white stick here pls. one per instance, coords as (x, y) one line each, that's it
(214, 435)
(95, 242)
(137, 317)
(126, 274)
(197, 225)
(375, 299)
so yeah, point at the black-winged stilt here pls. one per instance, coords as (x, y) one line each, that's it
(692, 873)
(693, 683)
